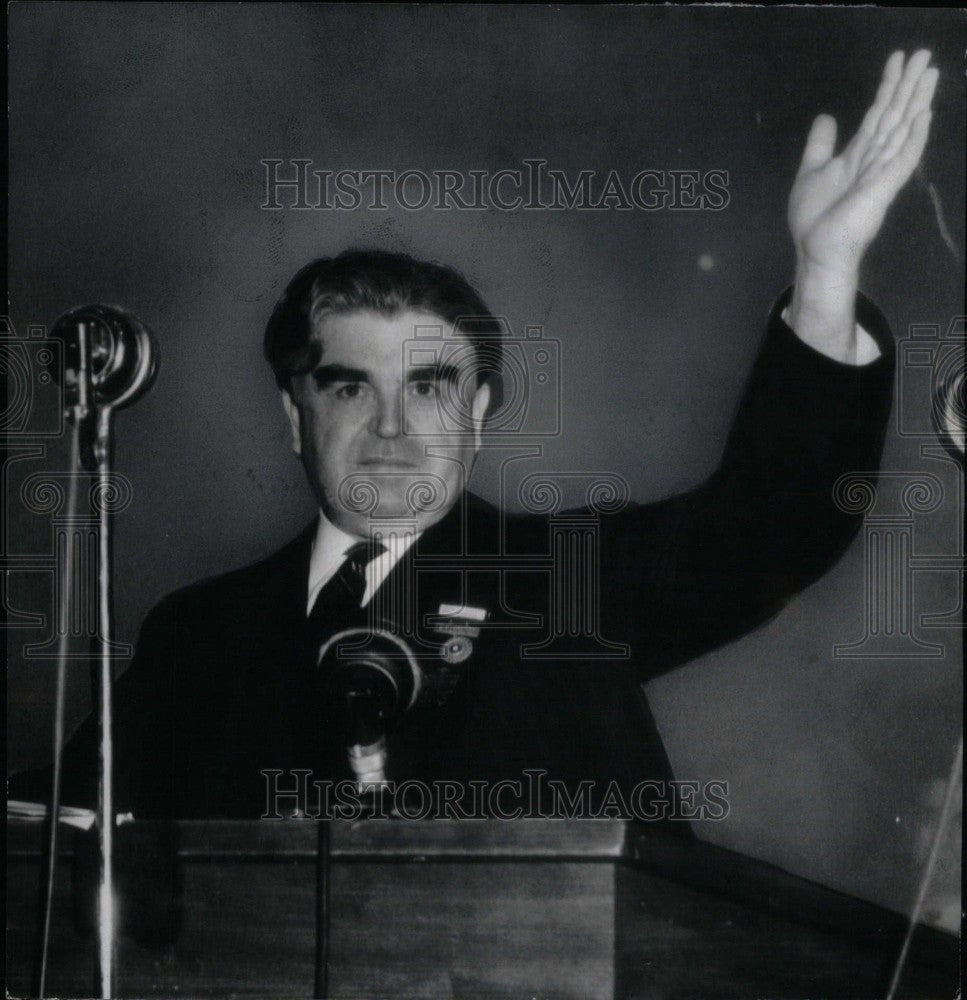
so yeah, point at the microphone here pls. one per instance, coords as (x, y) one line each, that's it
(110, 356)
(110, 360)
(374, 679)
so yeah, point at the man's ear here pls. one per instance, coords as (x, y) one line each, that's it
(478, 410)
(292, 412)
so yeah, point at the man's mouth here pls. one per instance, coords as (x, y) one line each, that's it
(387, 465)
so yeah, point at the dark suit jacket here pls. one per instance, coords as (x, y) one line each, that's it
(223, 684)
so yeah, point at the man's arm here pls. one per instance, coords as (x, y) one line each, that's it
(693, 572)
(704, 568)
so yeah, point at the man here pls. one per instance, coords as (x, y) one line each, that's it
(386, 367)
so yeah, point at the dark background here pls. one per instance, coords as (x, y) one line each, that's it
(136, 133)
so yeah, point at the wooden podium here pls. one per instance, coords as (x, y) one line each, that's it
(530, 908)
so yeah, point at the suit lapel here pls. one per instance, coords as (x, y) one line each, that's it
(281, 608)
(268, 695)
(435, 570)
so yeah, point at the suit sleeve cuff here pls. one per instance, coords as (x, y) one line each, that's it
(875, 349)
(867, 349)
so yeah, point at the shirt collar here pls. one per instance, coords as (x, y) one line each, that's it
(329, 549)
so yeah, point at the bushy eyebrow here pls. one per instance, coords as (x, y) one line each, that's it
(326, 375)
(433, 373)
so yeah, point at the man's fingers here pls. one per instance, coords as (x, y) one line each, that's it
(901, 96)
(895, 172)
(897, 138)
(820, 143)
(886, 144)
(923, 92)
(860, 143)
(891, 77)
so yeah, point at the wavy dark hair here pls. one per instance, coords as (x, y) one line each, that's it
(387, 283)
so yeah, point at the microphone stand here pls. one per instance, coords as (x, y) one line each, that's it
(114, 361)
(106, 904)
(94, 420)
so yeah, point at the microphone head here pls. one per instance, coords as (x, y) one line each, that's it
(372, 679)
(121, 353)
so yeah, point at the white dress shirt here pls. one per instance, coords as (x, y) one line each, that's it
(329, 549)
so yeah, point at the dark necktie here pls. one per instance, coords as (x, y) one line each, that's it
(337, 605)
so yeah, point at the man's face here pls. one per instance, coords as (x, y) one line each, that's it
(365, 418)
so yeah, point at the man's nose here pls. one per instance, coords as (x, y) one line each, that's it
(388, 420)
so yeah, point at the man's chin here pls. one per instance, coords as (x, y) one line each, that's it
(370, 499)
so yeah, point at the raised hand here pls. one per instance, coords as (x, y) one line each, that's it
(837, 203)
